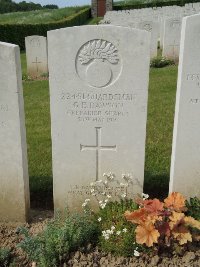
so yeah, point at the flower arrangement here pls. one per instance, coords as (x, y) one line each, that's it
(163, 222)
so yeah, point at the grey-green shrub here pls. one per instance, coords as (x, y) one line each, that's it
(5, 257)
(53, 246)
(160, 62)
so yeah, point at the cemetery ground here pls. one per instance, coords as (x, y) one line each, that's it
(161, 103)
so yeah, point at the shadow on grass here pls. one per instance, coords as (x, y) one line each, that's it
(41, 193)
(156, 186)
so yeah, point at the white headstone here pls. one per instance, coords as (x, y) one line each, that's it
(36, 55)
(98, 91)
(171, 38)
(153, 28)
(185, 162)
(14, 184)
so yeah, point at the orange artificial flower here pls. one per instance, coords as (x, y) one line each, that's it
(154, 206)
(176, 219)
(137, 216)
(175, 201)
(182, 234)
(147, 234)
(192, 222)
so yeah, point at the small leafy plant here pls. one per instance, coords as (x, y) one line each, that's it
(116, 233)
(5, 257)
(163, 223)
(193, 206)
(160, 62)
(53, 246)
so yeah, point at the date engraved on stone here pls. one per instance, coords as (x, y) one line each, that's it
(98, 63)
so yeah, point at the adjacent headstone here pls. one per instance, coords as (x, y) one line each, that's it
(153, 28)
(171, 38)
(36, 55)
(14, 184)
(185, 163)
(98, 91)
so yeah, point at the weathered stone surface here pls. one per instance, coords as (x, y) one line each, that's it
(98, 91)
(185, 163)
(36, 55)
(14, 185)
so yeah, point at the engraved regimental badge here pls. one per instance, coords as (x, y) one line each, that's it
(98, 63)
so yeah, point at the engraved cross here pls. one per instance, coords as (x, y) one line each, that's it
(37, 62)
(98, 148)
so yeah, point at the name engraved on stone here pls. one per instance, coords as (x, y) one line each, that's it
(98, 148)
(98, 63)
(37, 62)
(194, 78)
(98, 107)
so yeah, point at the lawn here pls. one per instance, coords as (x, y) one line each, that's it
(162, 89)
(38, 16)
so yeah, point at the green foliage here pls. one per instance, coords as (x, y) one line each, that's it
(5, 257)
(60, 237)
(39, 16)
(10, 6)
(137, 4)
(160, 62)
(16, 33)
(193, 206)
(118, 235)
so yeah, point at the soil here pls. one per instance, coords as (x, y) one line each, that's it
(88, 256)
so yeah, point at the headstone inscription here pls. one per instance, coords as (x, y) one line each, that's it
(185, 162)
(98, 92)
(36, 55)
(171, 38)
(14, 184)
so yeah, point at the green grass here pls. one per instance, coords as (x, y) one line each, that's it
(161, 103)
(36, 98)
(132, 2)
(39, 16)
(23, 63)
